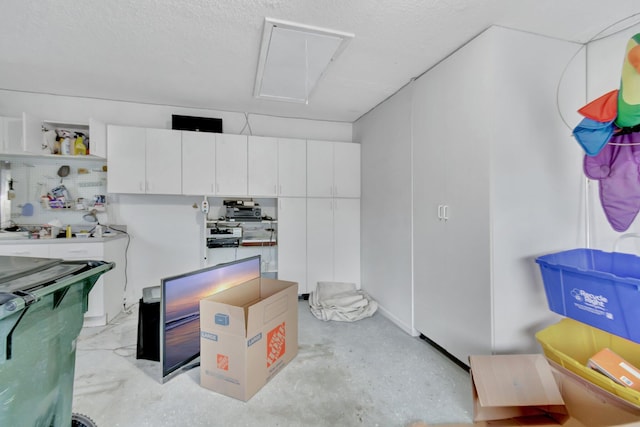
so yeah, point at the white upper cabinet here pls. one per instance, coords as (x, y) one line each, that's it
(126, 154)
(231, 165)
(144, 161)
(333, 169)
(346, 169)
(198, 163)
(97, 138)
(292, 168)
(31, 140)
(163, 161)
(263, 166)
(10, 135)
(319, 169)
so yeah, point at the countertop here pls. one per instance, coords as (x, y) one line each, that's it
(25, 241)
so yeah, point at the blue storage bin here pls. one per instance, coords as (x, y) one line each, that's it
(601, 289)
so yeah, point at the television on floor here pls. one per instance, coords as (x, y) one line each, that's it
(180, 309)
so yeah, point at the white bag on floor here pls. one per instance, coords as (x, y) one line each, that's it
(340, 301)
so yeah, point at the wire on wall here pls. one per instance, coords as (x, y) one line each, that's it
(126, 262)
(247, 125)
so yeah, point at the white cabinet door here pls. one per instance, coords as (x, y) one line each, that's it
(263, 166)
(163, 161)
(32, 141)
(97, 138)
(76, 251)
(198, 163)
(231, 165)
(94, 316)
(346, 238)
(39, 250)
(126, 154)
(114, 280)
(292, 241)
(346, 169)
(292, 168)
(333, 169)
(319, 241)
(10, 135)
(319, 169)
(430, 208)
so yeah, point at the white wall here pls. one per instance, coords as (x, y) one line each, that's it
(164, 230)
(385, 223)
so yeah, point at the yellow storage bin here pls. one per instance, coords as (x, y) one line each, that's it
(570, 344)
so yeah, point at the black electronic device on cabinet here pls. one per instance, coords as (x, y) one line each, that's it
(197, 124)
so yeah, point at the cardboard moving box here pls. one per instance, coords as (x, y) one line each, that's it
(516, 389)
(248, 333)
(528, 390)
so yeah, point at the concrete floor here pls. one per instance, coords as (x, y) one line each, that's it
(366, 373)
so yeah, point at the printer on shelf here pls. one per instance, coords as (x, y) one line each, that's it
(242, 210)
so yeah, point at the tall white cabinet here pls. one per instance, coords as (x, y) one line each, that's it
(292, 241)
(496, 183)
(333, 212)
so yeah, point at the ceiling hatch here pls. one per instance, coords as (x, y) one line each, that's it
(293, 58)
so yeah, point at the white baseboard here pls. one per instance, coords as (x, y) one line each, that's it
(407, 328)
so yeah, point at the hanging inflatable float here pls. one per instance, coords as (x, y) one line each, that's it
(609, 134)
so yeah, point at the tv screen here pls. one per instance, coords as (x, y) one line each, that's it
(180, 314)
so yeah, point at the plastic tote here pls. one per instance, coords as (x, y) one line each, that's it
(41, 314)
(599, 288)
(570, 344)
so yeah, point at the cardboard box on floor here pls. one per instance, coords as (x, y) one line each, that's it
(525, 390)
(248, 333)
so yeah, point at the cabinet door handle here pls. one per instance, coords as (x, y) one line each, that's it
(445, 212)
(439, 212)
(280, 189)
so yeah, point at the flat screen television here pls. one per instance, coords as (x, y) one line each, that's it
(180, 309)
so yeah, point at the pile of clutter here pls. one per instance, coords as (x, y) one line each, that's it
(66, 142)
(341, 301)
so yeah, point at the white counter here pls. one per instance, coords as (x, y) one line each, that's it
(106, 299)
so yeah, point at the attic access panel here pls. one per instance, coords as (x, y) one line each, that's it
(293, 58)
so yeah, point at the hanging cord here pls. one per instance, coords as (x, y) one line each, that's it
(126, 262)
(246, 124)
(596, 37)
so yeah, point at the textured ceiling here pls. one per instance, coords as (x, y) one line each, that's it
(203, 53)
